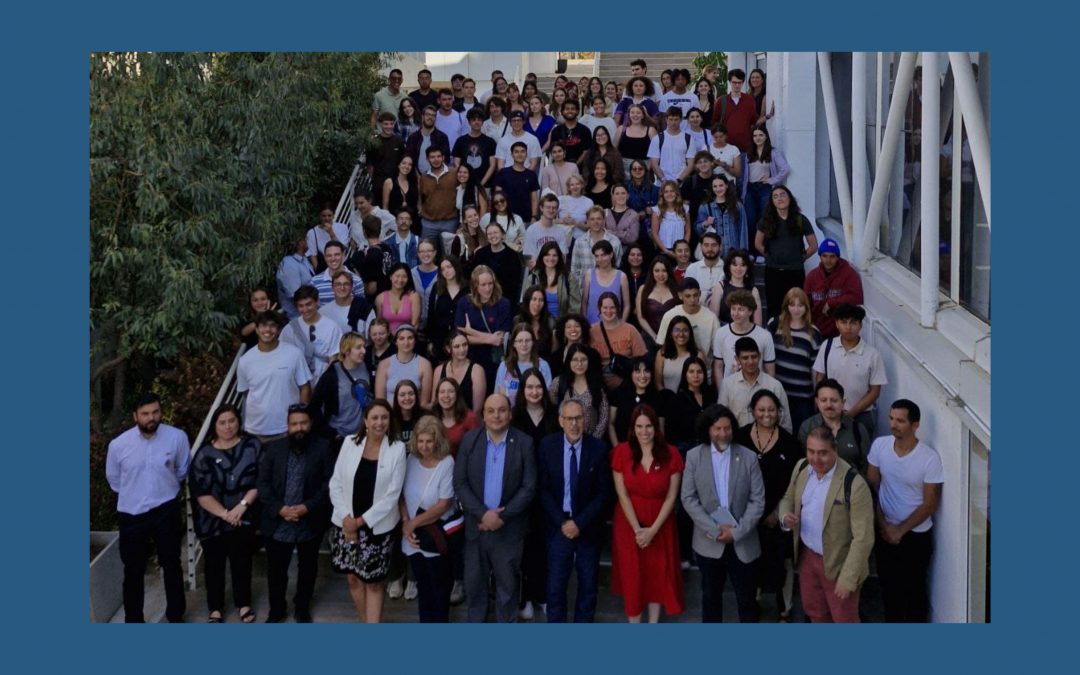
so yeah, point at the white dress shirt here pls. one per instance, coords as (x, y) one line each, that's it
(812, 519)
(721, 469)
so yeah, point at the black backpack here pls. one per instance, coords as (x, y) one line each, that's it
(849, 478)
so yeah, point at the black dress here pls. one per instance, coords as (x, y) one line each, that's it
(776, 467)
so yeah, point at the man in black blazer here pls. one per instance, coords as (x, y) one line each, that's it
(294, 478)
(576, 494)
(495, 480)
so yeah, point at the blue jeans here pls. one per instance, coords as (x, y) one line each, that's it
(433, 229)
(562, 555)
(757, 197)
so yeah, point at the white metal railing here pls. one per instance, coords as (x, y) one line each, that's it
(227, 392)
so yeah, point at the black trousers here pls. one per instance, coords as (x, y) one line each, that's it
(714, 572)
(777, 283)
(160, 525)
(278, 557)
(902, 571)
(237, 547)
(434, 580)
(534, 562)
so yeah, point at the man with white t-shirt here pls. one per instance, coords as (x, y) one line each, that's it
(364, 207)
(671, 149)
(449, 121)
(318, 337)
(742, 305)
(708, 271)
(274, 376)
(906, 476)
(679, 96)
(517, 134)
(545, 229)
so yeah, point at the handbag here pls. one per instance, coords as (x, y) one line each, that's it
(498, 352)
(359, 388)
(439, 536)
(617, 364)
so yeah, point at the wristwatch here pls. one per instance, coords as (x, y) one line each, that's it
(244, 503)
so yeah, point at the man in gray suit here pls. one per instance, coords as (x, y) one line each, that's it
(724, 495)
(495, 480)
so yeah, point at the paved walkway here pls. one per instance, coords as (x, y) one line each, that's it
(332, 603)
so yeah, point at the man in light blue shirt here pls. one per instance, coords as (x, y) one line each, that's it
(293, 271)
(495, 480)
(145, 466)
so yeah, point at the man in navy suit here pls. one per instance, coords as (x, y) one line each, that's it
(576, 490)
(495, 480)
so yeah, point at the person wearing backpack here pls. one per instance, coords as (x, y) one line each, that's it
(670, 150)
(852, 438)
(830, 513)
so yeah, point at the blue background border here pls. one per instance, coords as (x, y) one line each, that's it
(46, 486)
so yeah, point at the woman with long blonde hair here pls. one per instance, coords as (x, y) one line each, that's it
(796, 341)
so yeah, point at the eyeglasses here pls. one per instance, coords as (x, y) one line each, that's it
(574, 420)
(298, 407)
(311, 334)
(342, 284)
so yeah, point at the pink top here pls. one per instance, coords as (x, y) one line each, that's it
(402, 317)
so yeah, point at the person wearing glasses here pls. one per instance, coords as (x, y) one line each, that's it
(315, 335)
(576, 495)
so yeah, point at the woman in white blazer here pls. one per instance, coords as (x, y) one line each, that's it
(364, 492)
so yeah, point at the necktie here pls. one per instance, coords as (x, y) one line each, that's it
(573, 474)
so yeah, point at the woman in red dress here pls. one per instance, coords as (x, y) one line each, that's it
(645, 547)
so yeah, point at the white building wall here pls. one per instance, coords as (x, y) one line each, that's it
(946, 370)
(477, 65)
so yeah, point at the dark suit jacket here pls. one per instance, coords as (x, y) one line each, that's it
(318, 467)
(591, 498)
(518, 488)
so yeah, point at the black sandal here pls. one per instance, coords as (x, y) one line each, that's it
(248, 616)
(215, 619)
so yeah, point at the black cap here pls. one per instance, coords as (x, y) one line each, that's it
(516, 113)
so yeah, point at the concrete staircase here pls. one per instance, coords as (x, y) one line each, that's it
(616, 65)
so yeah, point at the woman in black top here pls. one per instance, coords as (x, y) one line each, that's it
(442, 305)
(778, 453)
(535, 415)
(636, 390)
(379, 347)
(400, 191)
(786, 239)
(222, 481)
(259, 301)
(693, 395)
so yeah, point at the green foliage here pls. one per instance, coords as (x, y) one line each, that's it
(202, 166)
(718, 59)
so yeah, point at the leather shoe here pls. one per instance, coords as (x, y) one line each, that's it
(302, 616)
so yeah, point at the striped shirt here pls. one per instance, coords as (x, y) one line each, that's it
(795, 364)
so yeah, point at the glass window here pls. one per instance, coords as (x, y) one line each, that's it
(978, 531)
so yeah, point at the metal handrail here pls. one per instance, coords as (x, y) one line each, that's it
(227, 392)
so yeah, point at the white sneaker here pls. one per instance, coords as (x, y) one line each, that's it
(395, 589)
(410, 590)
(526, 613)
(457, 593)
(685, 564)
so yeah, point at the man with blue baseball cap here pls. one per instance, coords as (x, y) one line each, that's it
(833, 282)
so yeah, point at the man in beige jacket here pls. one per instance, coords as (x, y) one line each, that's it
(829, 508)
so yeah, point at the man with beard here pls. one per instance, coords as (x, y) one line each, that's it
(427, 136)
(575, 137)
(294, 478)
(273, 376)
(831, 284)
(708, 271)
(145, 466)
